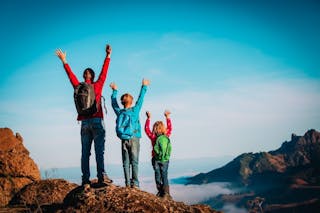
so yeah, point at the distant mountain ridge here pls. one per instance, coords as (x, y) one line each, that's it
(283, 180)
(300, 153)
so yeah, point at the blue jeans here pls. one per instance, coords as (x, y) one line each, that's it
(160, 172)
(130, 158)
(92, 130)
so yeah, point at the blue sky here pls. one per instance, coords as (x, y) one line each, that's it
(238, 76)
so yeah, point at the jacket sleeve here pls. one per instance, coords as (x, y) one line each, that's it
(139, 102)
(73, 79)
(150, 135)
(169, 127)
(114, 102)
(103, 74)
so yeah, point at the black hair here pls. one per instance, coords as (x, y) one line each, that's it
(91, 72)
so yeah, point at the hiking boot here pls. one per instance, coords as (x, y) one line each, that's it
(167, 196)
(105, 179)
(160, 191)
(166, 193)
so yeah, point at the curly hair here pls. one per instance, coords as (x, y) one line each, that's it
(159, 128)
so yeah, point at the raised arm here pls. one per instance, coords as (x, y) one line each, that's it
(114, 101)
(169, 126)
(103, 74)
(143, 91)
(147, 127)
(72, 77)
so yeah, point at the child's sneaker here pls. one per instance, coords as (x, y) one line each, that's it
(160, 191)
(166, 193)
(167, 196)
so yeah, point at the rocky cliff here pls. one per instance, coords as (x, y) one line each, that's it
(17, 169)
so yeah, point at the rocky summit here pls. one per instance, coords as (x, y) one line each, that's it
(111, 198)
(57, 195)
(22, 190)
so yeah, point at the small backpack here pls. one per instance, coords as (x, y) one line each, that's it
(162, 148)
(124, 128)
(85, 99)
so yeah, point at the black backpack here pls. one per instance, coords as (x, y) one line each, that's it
(85, 99)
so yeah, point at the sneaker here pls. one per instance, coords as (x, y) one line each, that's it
(104, 179)
(159, 194)
(167, 196)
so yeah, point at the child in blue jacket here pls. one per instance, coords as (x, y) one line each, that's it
(128, 129)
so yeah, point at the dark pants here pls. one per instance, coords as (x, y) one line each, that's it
(130, 158)
(92, 130)
(161, 172)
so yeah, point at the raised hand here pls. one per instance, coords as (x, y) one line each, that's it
(148, 114)
(167, 113)
(108, 50)
(113, 86)
(145, 82)
(62, 55)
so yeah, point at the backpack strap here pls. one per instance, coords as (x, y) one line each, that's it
(104, 104)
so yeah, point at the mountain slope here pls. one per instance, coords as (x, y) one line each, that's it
(283, 180)
(302, 152)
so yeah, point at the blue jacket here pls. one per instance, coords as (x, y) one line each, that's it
(134, 111)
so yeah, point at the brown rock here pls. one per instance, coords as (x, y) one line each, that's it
(43, 192)
(121, 199)
(9, 186)
(17, 169)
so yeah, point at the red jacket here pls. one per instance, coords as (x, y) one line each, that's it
(98, 85)
(153, 136)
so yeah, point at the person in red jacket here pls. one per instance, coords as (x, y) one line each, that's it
(92, 127)
(160, 168)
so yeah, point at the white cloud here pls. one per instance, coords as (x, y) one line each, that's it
(243, 117)
(192, 194)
